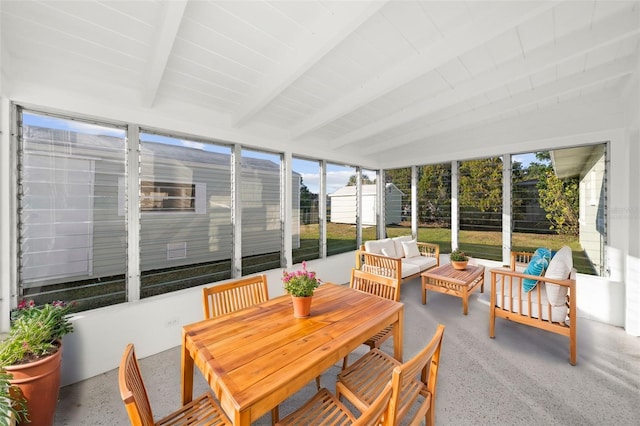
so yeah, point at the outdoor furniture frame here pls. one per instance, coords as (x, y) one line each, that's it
(527, 308)
(448, 280)
(202, 410)
(256, 357)
(411, 381)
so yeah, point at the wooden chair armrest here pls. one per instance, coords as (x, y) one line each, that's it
(429, 249)
(569, 282)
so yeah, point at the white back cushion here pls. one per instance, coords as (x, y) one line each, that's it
(559, 268)
(397, 241)
(410, 249)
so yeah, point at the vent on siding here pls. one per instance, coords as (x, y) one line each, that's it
(176, 251)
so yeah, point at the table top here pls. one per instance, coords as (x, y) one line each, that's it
(449, 273)
(256, 357)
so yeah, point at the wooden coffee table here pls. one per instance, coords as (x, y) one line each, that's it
(460, 283)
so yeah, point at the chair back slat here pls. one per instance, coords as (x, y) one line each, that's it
(132, 389)
(232, 296)
(380, 285)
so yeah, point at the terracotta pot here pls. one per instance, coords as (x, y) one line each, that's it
(301, 306)
(459, 264)
(39, 382)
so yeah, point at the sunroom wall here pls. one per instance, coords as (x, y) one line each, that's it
(154, 324)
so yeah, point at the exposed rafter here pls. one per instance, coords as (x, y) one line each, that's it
(614, 29)
(453, 118)
(492, 24)
(309, 50)
(156, 64)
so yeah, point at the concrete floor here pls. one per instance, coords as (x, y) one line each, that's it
(522, 377)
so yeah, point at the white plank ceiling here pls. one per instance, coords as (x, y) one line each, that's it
(352, 77)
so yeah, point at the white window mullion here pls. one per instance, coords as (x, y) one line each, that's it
(133, 213)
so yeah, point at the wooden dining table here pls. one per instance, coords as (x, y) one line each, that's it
(256, 357)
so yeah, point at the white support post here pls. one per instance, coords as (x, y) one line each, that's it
(8, 148)
(381, 224)
(506, 209)
(455, 210)
(358, 207)
(287, 209)
(236, 211)
(414, 202)
(322, 209)
(133, 213)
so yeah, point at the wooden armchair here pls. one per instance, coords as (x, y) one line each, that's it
(229, 297)
(382, 286)
(550, 305)
(413, 382)
(202, 410)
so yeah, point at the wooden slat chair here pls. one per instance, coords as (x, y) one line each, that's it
(232, 296)
(326, 409)
(229, 297)
(413, 382)
(382, 286)
(203, 410)
(533, 308)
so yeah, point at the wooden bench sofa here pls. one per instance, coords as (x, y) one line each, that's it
(401, 258)
(550, 305)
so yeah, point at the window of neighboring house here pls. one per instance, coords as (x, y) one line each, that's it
(167, 197)
(70, 232)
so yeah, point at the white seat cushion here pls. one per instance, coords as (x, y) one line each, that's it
(409, 268)
(558, 313)
(421, 262)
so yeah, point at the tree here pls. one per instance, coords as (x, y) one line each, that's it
(560, 199)
(434, 193)
(480, 184)
(365, 180)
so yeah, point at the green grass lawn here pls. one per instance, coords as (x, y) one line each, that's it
(480, 244)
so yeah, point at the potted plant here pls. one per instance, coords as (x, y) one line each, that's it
(458, 259)
(13, 407)
(32, 354)
(300, 285)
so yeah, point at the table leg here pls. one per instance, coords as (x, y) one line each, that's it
(398, 328)
(424, 291)
(465, 300)
(187, 373)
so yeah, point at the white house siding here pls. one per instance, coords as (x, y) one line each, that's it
(343, 205)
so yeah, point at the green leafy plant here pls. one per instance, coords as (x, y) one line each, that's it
(12, 403)
(35, 332)
(301, 283)
(458, 256)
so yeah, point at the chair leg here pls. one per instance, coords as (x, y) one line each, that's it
(318, 382)
(275, 415)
